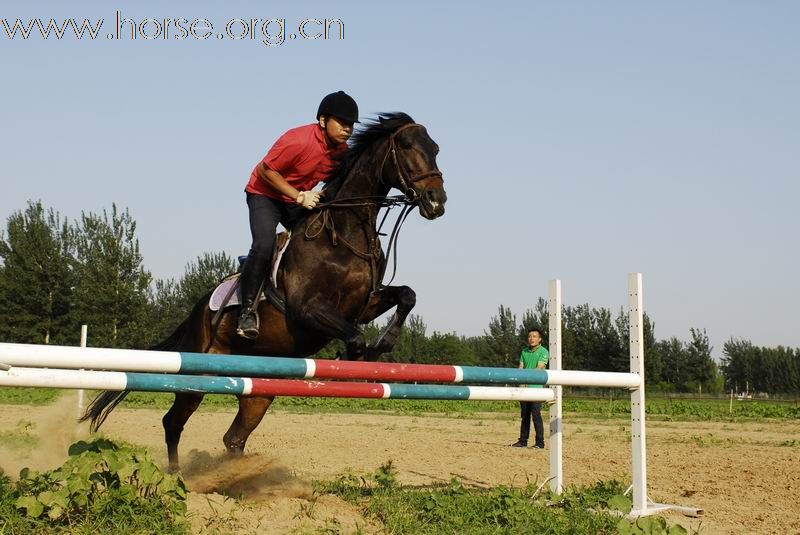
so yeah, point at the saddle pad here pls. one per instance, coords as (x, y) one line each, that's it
(217, 299)
(221, 291)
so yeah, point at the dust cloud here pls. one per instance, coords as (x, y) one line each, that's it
(53, 430)
(248, 477)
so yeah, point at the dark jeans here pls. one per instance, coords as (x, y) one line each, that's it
(265, 214)
(531, 410)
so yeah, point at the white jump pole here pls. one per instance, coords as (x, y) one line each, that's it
(554, 347)
(638, 435)
(81, 393)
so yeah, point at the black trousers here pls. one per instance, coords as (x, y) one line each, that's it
(531, 410)
(265, 214)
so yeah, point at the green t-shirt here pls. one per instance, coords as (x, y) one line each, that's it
(531, 358)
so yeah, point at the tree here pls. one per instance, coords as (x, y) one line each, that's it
(412, 342)
(608, 353)
(653, 360)
(202, 276)
(448, 348)
(36, 278)
(112, 287)
(737, 363)
(702, 369)
(165, 310)
(502, 344)
(578, 338)
(171, 302)
(676, 370)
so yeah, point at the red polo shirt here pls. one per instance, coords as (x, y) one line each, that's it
(302, 157)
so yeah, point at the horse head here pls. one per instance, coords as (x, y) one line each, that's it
(410, 166)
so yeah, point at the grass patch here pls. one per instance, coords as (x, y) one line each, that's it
(455, 508)
(13, 395)
(101, 488)
(20, 438)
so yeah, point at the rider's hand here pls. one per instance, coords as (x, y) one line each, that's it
(308, 199)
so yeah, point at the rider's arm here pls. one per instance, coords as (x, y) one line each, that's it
(275, 181)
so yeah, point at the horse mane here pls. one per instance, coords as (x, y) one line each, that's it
(372, 131)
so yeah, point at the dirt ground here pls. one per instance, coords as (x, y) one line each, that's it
(746, 476)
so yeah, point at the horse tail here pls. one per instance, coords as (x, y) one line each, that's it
(174, 340)
(99, 409)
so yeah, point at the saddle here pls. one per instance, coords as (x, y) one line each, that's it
(227, 293)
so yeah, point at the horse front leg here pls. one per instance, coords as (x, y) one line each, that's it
(320, 316)
(182, 408)
(251, 411)
(381, 300)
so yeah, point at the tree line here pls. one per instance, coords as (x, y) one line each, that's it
(56, 275)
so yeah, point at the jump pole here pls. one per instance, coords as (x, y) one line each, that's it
(554, 346)
(82, 392)
(173, 362)
(255, 386)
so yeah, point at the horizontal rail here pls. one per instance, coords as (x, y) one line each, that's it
(130, 360)
(161, 382)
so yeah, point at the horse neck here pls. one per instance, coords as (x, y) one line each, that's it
(363, 179)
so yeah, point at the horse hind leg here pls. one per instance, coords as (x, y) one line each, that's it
(380, 301)
(251, 411)
(182, 408)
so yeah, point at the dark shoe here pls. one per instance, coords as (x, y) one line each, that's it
(519, 444)
(248, 324)
(537, 447)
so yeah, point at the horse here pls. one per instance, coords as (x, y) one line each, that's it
(330, 275)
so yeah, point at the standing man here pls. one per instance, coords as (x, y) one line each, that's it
(282, 183)
(532, 357)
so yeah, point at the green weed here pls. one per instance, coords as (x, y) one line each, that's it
(455, 508)
(101, 488)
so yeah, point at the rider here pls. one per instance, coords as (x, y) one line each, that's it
(283, 182)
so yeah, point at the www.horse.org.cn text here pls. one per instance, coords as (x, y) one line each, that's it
(267, 31)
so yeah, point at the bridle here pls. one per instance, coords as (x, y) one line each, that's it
(408, 201)
(406, 181)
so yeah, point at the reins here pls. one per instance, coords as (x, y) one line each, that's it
(325, 221)
(408, 201)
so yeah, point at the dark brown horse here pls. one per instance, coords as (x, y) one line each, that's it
(330, 275)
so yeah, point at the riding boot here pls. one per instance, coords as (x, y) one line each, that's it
(250, 280)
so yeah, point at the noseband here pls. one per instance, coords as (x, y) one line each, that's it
(407, 180)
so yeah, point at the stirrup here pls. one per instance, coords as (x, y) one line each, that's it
(248, 328)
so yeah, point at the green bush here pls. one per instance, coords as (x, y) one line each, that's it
(102, 487)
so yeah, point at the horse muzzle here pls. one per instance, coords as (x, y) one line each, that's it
(431, 202)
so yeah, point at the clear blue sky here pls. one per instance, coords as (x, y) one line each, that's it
(579, 140)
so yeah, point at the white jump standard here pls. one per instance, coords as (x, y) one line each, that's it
(641, 506)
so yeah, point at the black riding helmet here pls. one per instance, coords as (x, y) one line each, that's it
(340, 105)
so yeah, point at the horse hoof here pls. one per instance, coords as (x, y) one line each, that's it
(173, 468)
(235, 452)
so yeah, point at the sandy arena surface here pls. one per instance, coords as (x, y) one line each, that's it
(746, 476)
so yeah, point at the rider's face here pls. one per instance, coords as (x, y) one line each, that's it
(337, 130)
